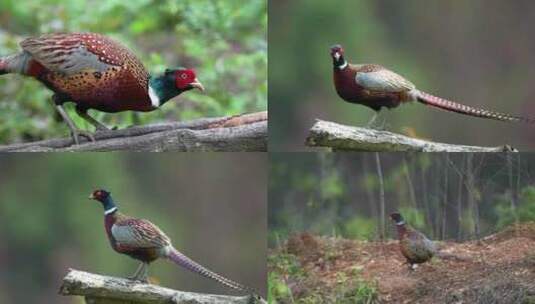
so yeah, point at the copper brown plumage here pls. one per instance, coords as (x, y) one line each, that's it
(376, 87)
(414, 245)
(95, 72)
(92, 69)
(144, 241)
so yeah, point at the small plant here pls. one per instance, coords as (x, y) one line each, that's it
(364, 293)
(360, 228)
(278, 290)
(286, 264)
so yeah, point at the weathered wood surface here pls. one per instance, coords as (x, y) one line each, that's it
(348, 138)
(99, 289)
(248, 132)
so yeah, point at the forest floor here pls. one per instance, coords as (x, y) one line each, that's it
(497, 269)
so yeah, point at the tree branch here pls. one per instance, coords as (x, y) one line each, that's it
(98, 289)
(347, 138)
(246, 132)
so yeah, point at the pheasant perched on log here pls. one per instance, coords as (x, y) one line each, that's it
(95, 72)
(144, 241)
(414, 245)
(376, 87)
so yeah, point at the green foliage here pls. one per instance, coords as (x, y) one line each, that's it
(332, 186)
(225, 41)
(360, 227)
(363, 293)
(283, 266)
(525, 211)
(277, 288)
(413, 216)
(467, 222)
(287, 264)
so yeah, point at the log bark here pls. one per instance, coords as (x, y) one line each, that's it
(347, 138)
(248, 132)
(99, 289)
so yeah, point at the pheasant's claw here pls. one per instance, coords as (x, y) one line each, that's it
(377, 122)
(102, 128)
(138, 280)
(77, 133)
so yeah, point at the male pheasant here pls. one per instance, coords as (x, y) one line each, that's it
(376, 87)
(95, 72)
(414, 245)
(144, 241)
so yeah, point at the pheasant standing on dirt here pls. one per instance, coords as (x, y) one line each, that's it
(144, 241)
(95, 72)
(414, 245)
(376, 87)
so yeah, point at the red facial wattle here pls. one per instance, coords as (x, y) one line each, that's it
(184, 78)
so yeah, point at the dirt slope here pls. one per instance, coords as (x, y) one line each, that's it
(498, 269)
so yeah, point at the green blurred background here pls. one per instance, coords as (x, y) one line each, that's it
(447, 196)
(224, 40)
(213, 207)
(477, 52)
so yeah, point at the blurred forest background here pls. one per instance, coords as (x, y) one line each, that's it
(447, 196)
(225, 41)
(213, 209)
(477, 52)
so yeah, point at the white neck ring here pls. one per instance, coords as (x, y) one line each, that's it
(343, 66)
(154, 99)
(111, 210)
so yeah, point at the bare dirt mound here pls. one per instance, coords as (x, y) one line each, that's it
(497, 269)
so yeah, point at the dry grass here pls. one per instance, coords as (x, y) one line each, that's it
(497, 269)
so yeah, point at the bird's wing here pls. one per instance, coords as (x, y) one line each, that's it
(421, 244)
(73, 53)
(139, 233)
(383, 80)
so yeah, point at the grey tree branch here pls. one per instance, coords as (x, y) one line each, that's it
(246, 132)
(98, 289)
(347, 138)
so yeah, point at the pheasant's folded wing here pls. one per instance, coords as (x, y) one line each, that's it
(421, 245)
(73, 53)
(383, 80)
(139, 233)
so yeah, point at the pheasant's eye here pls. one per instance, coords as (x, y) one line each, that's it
(184, 76)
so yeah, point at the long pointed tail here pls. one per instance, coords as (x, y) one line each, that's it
(182, 260)
(449, 105)
(15, 63)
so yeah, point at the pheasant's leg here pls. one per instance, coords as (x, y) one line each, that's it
(144, 273)
(145, 276)
(138, 274)
(378, 121)
(98, 125)
(74, 131)
(372, 121)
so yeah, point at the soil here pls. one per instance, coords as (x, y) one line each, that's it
(497, 269)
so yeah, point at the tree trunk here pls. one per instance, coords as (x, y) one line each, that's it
(381, 196)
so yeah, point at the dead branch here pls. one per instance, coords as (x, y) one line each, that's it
(347, 138)
(246, 132)
(98, 289)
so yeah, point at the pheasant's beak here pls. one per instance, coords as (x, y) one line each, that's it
(197, 84)
(337, 56)
(91, 196)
